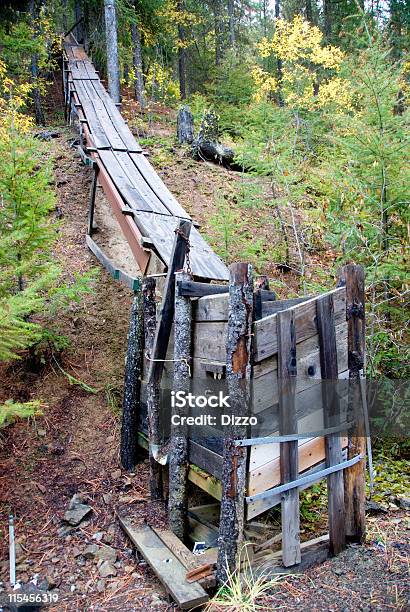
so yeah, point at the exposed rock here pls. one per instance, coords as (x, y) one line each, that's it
(116, 474)
(77, 514)
(404, 502)
(107, 569)
(374, 508)
(107, 497)
(90, 551)
(98, 536)
(101, 585)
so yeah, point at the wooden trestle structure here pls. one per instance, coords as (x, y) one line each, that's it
(277, 359)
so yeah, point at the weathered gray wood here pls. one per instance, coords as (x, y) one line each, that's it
(355, 477)
(166, 566)
(185, 125)
(150, 324)
(178, 460)
(132, 385)
(270, 308)
(287, 372)
(329, 370)
(238, 368)
(305, 317)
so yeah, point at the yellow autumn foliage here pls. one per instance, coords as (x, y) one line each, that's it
(13, 99)
(304, 57)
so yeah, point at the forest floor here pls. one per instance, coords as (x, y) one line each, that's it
(74, 447)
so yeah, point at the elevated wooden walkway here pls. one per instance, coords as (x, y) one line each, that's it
(145, 209)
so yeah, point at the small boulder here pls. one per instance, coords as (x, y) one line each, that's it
(90, 551)
(77, 514)
(107, 569)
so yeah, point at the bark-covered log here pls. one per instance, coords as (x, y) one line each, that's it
(207, 146)
(238, 373)
(113, 69)
(178, 463)
(150, 324)
(139, 79)
(185, 125)
(132, 385)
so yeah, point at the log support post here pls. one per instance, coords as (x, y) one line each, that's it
(178, 463)
(331, 417)
(91, 202)
(152, 392)
(355, 477)
(235, 459)
(159, 347)
(289, 455)
(132, 385)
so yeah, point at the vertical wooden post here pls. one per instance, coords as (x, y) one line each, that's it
(289, 455)
(132, 385)
(91, 203)
(178, 463)
(159, 346)
(333, 444)
(355, 477)
(238, 373)
(150, 323)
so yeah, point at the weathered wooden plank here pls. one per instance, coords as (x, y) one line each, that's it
(130, 192)
(193, 289)
(178, 458)
(204, 262)
(132, 385)
(122, 128)
(166, 566)
(98, 135)
(266, 343)
(329, 369)
(104, 117)
(238, 368)
(273, 307)
(158, 186)
(287, 372)
(138, 183)
(355, 477)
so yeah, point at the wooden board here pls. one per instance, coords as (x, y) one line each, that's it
(266, 341)
(130, 192)
(161, 229)
(98, 135)
(105, 119)
(122, 128)
(158, 186)
(166, 566)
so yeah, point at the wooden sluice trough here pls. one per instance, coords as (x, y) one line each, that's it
(291, 370)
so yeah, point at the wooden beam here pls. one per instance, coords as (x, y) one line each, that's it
(331, 417)
(178, 460)
(166, 566)
(287, 372)
(132, 385)
(235, 459)
(150, 324)
(355, 477)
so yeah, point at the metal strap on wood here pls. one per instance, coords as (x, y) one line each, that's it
(305, 480)
(289, 438)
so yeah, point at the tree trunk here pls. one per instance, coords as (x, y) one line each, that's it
(34, 15)
(327, 18)
(139, 79)
(181, 55)
(185, 126)
(112, 50)
(78, 13)
(218, 32)
(309, 12)
(231, 16)
(65, 18)
(279, 61)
